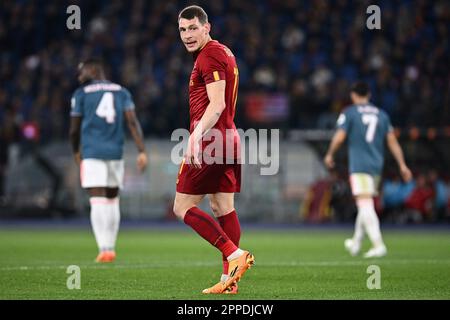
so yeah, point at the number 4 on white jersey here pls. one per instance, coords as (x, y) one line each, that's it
(105, 108)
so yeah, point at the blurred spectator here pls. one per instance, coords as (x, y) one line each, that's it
(441, 195)
(4, 146)
(9, 133)
(329, 199)
(342, 202)
(316, 207)
(395, 192)
(419, 203)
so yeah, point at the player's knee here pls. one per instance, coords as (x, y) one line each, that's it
(215, 208)
(179, 209)
(220, 209)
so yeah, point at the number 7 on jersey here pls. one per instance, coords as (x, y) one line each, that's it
(371, 121)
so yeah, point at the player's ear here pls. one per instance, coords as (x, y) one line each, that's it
(207, 27)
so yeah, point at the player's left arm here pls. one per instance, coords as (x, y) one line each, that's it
(138, 137)
(396, 150)
(337, 141)
(135, 129)
(216, 96)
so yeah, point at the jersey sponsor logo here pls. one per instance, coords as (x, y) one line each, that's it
(368, 109)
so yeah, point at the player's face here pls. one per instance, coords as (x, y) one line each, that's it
(193, 34)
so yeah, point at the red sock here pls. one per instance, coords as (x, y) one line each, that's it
(209, 230)
(230, 225)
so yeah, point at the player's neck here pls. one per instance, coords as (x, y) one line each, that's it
(98, 79)
(206, 42)
(362, 101)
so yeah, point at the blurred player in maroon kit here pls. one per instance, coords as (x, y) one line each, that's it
(213, 88)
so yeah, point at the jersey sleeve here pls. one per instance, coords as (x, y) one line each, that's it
(389, 127)
(343, 121)
(76, 104)
(213, 65)
(128, 103)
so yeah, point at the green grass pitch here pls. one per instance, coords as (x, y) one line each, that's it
(177, 264)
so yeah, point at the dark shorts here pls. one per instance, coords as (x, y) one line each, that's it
(209, 179)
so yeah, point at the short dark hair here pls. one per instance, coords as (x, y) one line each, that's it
(361, 88)
(194, 11)
(96, 65)
(93, 62)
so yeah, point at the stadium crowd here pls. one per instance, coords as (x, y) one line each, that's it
(425, 199)
(309, 50)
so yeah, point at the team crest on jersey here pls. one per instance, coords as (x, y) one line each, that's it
(341, 120)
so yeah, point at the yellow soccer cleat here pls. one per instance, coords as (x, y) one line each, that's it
(238, 267)
(219, 288)
(106, 256)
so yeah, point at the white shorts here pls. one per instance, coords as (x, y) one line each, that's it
(364, 184)
(101, 173)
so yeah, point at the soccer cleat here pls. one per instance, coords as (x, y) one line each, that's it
(352, 247)
(106, 256)
(219, 288)
(232, 290)
(376, 252)
(237, 268)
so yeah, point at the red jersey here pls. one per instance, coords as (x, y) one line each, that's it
(215, 62)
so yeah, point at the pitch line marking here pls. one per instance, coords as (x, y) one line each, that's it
(213, 264)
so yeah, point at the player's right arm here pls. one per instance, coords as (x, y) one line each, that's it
(76, 114)
(75, 130)
(396, 150)
(337, 140)
(336, 143)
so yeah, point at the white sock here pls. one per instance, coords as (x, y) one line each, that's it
(99, 213)
(358, 235)
(370, 221)
(224, 278)
(235, 254)
(113, 222)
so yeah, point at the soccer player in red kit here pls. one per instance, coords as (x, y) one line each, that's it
(212, 101)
